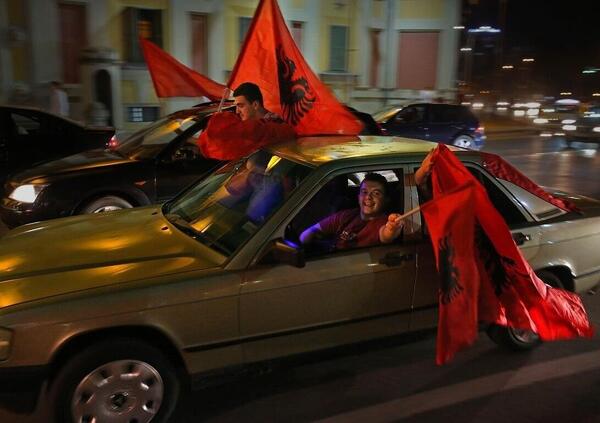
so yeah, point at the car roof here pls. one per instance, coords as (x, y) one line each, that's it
(316, 151)
(17, 108)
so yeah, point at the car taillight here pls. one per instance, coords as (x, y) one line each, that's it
(114, 142)
(480, 130)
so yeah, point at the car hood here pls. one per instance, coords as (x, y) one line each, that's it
(86, 160)
(83, 252)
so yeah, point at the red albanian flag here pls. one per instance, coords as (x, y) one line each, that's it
(270, 59)
(510, 294)
(173, 79)
(500, 168)
(451, 223)
(227, 137)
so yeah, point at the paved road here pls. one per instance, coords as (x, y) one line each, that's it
(399, 381)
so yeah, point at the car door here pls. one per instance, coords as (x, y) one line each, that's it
(410, 122)
(180, 165)
(444, 123)
(336, 298)
(526, 236)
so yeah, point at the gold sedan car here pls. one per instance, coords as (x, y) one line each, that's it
(113, 314)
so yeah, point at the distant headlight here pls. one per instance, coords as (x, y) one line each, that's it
(569, 127)
(567, 121)
(540, 120)
(596, 129)
(26, 193)
(5, 341)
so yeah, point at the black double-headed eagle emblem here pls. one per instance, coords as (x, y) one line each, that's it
(295, 94)
(500, 269)
(450, 286)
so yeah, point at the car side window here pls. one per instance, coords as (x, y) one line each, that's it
(509, 211)
(26, 125)
(338, 201)
(411, 114)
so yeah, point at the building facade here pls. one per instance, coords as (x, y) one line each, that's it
(370, 52)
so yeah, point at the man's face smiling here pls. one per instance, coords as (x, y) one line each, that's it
(371, 199)
(245, 109)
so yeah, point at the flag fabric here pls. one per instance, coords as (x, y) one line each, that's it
(227, 137)
(270, 59)
(173, 79)
(500, 168)
(508, 291)
(450, 221)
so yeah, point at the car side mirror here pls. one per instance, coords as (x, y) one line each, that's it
(283, 251)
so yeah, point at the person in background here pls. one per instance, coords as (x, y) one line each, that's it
(231, 136)
(59, 101)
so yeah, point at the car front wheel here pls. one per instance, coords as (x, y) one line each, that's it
(105, 204)
(463, 141)
(117, 381)
(520, 339)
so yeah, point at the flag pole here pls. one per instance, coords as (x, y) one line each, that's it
(410, 212)
(225, 94)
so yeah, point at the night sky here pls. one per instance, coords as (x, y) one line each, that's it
(562, 36)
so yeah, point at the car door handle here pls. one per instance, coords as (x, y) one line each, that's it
(396, 259)
(520, 238)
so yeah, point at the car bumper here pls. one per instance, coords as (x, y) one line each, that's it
(13, 213)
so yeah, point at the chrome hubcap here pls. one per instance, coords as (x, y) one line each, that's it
(524, 336)
(124, 391)
(463, 142)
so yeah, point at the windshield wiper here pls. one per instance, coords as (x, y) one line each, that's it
(183, 225)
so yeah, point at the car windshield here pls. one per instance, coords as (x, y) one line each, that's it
(148, 142)
(229, 206)
(385, 114)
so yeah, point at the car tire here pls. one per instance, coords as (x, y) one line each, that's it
(517, 339)
(104, 204)
(120, 378)
(464, 141)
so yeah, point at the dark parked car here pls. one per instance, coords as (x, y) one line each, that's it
(445, 123)
(150, 166)
(29, 135)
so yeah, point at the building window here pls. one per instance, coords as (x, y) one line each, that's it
(338, 48)
(244, 25)
(417, 60)
(73, 38)
(143, 113)
(141, 23)
(199, 42)
(297, 28)
(375, 58)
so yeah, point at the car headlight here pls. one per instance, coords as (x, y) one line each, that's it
(569, 127)
(540, 120)
(5, 342)
(568, 121)
(596, 129)
(26, 193)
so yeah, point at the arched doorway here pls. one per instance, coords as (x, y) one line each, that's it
(104, 92)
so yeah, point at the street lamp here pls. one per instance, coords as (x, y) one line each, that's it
(528, 59)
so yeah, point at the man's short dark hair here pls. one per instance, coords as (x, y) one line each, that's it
(376, 177)
(250, 91)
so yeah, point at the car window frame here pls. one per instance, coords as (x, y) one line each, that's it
(279, 232)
